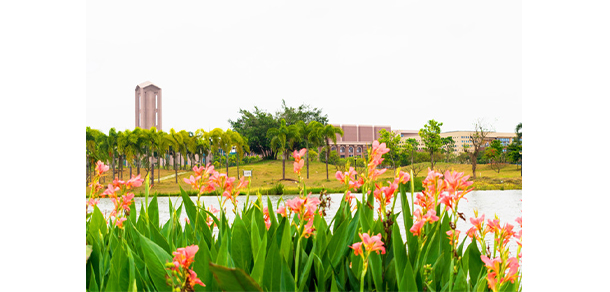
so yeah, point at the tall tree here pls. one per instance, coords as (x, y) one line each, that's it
(241, 146)
(253, 127)
(392, 142)
(282, 138)
(176, 142)
(303, 113)
(431, 137)
(477, 141)
(163, 144)
(150, 138)
(222, 140)
(329, 133)
(204, 147)
(448, 147)
(310, 134)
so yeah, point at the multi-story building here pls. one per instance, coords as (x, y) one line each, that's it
(462, 139)
(356, 138)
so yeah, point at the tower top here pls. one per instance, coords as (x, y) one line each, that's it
(146, 84)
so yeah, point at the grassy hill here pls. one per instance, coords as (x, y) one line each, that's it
(266, 175)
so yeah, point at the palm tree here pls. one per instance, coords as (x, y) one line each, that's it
(92, 139)
(310, 134)
(327, 133)
(150, 137)
(222, 140)
(203, 145)
(241, 146)
(162, 142)
(175, 141)
(282, 139)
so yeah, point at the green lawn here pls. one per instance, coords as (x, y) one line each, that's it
(266, 174)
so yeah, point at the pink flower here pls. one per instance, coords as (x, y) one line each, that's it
(298, 166)
(100, 167)
(198, 170)
(282, 211)
(111, 191)
(119, 222)
(357, 247)
(416, 228)
(92, 202)
(185, 256)
(402, 177)
(373, 243)
(354, 185)
(298, 156)
(186, 220)
(266, 217)
(134, 182)
(430, 216)
(456, 180)
(192, 180)
(192, 279)
(309, 229)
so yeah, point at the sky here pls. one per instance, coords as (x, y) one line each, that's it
(389, 63)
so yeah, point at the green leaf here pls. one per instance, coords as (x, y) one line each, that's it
(475, 264)
(241, 251)
(272, 273)
(97, 223)
(286, 279)
(375, 268)
(153, 213)
(93, 283)
(259, 263)
(155, 258)
(233, 279)
(224, 257)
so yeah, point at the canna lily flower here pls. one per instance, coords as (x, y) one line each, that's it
(282, 211)
(134, 182)
(298, 166)
(372, 243)
(456, 180)
(185, 256)
(198, 170)
(193, 280)
(192, 180)
(186, 220)
(266, 217)
(119, 222)
(354, 185)
(416, 228)
(93, 202)
(357, 247)
(309, 229)
(100, 168)
(111, 191)
(118, 183)
(401, 177)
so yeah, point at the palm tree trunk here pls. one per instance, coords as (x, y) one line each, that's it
(237, 166)
(227, 164)
(284, 165)
(175, 169)
(307, 158)
(327, 152)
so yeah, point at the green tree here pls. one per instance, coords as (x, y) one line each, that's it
(431, 137)
(514, 149)
(448, 147)
(303, 113)
(477, 140)
(393, 142)
(311, 136)
(150, 138)
(222, 140)
(163, 144)
(176, 143)
(253, 127)
(282, 139)
(329, 133)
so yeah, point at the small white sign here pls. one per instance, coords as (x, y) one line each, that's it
(247, 172)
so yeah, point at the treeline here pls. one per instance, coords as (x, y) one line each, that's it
(139, 147)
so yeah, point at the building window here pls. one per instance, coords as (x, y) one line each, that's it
(351, 150)
(358, 150)
(342, 149)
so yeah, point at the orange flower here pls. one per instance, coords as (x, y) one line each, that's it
(100, 168)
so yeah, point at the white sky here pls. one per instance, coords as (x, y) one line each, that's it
(383, 63)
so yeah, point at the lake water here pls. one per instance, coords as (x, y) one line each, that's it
(505, 204)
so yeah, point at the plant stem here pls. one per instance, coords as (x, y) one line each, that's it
(365, 266)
